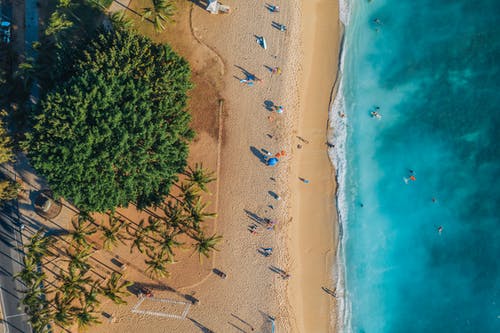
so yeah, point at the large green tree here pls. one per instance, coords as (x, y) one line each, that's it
(117, 130)
(8, 188)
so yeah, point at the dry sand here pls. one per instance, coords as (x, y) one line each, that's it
(314, 234)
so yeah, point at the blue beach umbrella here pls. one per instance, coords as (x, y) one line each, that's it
(272, 161)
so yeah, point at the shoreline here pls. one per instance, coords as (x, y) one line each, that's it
(315, 229)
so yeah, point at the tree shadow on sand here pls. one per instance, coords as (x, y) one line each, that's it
(202, 327)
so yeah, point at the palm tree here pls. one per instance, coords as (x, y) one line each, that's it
(198, 214)
(39, 245)
(160, 12)
(29, 271)
(168, 242)
(155, 224)
(26, 72)
(82, 228)
(204, 244)
(189, 193)
(140, 237)
(115, 289)
(157, 265)
(58, 22)
(175, 214)
(79, 256)
(73, 283)
(200, 176)
(40, 320)
(34, 296)
(90, 297)
(62, 315)
(120, 21)
(85, 316)
(112, 235)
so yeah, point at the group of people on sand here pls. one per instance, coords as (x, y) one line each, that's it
(268, 224)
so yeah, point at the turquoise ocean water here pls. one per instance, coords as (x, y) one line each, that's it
(433, 69)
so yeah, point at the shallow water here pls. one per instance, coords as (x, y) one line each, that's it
(433, 68)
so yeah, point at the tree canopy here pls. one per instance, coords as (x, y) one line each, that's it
(117, 130)
(8, 188)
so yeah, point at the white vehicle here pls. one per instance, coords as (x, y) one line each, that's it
(5, 32)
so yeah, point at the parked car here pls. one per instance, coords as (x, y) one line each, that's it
(5, 32)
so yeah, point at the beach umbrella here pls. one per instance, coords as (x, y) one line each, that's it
(272, 161)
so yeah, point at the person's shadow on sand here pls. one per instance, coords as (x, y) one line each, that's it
(269, 105)
(259, 154)
(200, 3)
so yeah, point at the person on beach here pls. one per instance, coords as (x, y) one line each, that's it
(267, 251)
(253, 229)
(305, 181)
(329, 291)
(302, 139)
(270, 224)
(274, 9)
(247, 82)
(279, 109)
(276, 70)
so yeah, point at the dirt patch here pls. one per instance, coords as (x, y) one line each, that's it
(207, 67)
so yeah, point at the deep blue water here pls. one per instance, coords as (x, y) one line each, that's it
(433, 68)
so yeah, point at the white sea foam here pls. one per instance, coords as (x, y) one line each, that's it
(337, 136)
(344, 11)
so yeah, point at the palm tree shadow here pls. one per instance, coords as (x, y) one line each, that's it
(236, 327)
(133, 11)
(202, 327)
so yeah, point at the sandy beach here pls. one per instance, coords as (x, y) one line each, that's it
(233, 138)
(314, 235)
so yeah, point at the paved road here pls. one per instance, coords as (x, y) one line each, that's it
(15, 321)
